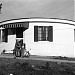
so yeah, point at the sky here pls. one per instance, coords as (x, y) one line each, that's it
(13, 9)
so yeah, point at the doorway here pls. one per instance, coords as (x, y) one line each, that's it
(19, 32)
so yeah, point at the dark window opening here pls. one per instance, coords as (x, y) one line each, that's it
(5, 35)
(12, 31)
(43, 33)
(19, 32)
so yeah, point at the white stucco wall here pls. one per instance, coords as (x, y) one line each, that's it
(9, 45)
(62, 45)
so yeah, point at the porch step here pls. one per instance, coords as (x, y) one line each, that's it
(7, 54)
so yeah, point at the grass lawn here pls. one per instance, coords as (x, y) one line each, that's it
(34, 67)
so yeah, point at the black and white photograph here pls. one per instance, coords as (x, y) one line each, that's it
(37, 37)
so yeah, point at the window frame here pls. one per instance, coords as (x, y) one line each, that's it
(45, 32)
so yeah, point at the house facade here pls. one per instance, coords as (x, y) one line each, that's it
(44, 37)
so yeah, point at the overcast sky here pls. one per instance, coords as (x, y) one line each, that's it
(13, 9)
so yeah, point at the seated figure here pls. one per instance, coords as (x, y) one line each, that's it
(17, 49)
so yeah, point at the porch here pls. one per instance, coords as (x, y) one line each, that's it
(9, 33)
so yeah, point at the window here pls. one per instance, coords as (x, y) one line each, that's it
(43, 33)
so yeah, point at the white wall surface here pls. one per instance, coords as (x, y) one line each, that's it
(9, 45)
(62, 45)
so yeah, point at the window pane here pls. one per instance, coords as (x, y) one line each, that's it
(39, 39)
(40, 33)
(46, 33)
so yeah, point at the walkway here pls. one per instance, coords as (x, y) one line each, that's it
(42, 58)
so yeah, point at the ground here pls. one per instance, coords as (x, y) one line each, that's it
(28, 66)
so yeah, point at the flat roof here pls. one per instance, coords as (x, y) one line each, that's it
(39, 19)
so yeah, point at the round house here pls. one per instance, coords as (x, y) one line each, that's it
(42, 36)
